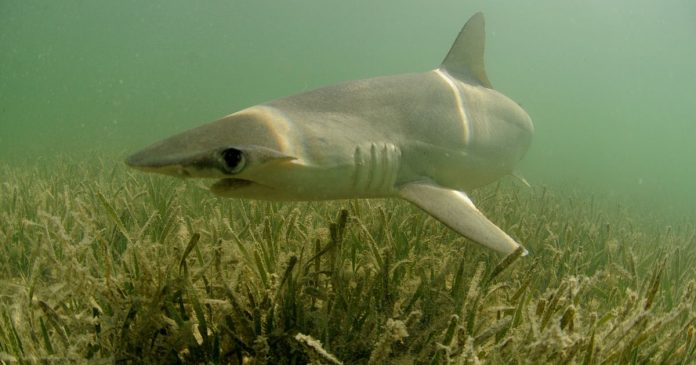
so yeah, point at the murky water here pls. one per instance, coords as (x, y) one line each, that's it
(610, 86)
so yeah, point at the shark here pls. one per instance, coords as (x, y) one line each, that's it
(429, 138)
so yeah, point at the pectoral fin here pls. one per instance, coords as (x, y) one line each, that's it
(457, 211)
(521, 178)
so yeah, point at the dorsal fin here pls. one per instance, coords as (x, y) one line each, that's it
(465, 58)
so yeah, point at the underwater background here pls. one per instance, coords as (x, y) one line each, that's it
(609, 85)
(103, 264)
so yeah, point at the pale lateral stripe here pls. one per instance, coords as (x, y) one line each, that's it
(281, 128)
(458, 100)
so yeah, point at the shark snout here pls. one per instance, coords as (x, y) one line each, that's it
(137, 160)
(159, 160)
(167, 166)
(168, 155)
(149, 160)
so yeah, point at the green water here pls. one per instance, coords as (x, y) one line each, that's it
(102, 264)
(610, 85)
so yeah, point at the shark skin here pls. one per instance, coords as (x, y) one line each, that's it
(425, 137)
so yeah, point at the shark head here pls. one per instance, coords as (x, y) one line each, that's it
(242, 150)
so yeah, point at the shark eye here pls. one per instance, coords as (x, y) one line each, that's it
(234, 160)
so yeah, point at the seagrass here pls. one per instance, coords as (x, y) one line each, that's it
(104, 265)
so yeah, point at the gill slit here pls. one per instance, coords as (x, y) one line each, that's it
(375, 172)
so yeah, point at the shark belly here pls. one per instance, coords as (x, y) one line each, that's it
(372, 173)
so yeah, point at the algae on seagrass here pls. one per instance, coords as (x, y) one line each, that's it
(100, 264)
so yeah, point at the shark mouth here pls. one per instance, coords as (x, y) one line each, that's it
(228, 184)
(248, 189)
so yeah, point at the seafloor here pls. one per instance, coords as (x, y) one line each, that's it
(102, 264)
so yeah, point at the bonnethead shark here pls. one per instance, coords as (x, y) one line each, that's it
(426, 137)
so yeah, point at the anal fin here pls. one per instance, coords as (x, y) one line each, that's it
(457, 211)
